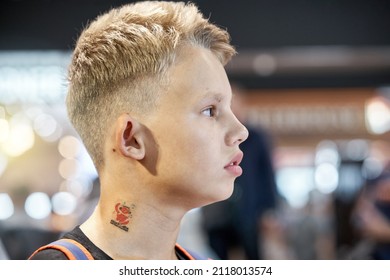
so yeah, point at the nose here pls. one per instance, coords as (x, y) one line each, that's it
(243, 135)
(238, 134)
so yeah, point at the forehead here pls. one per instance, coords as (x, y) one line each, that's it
(197, 74)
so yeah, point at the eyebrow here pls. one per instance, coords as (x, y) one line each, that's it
(213, 95)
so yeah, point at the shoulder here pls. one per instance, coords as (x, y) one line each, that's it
(48, 254)
(77, 245)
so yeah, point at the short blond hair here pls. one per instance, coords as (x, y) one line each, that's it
(120, 59)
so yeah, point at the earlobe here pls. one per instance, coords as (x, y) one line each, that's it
(129, 137)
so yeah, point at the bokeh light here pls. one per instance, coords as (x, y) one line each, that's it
(69, 168)
(69, 146)
(6, 206)
(64, 203)
(38, 205)
(326, 177)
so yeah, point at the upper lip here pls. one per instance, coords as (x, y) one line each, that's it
(236, 159)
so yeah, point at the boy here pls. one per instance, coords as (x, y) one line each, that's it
(150, 98)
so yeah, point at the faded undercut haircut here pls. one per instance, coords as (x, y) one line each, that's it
(121, 58)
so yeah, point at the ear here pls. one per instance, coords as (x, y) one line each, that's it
(129, 137)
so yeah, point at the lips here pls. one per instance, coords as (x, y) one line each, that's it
(233, 166)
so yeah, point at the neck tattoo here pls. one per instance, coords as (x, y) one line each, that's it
(122, 215)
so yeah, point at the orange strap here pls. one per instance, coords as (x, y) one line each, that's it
(184, 252)
(190, 254)
(72, 249)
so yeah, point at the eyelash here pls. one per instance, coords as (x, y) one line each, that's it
(210, 109)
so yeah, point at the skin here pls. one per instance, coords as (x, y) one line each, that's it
(168, 162)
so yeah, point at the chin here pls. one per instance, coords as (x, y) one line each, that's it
(223, 194)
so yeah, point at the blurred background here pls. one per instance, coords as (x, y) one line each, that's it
(315, 81)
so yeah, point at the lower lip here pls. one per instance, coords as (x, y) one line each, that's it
(236, 170)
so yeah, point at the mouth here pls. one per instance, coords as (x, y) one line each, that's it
(236, 159)
(233, 166)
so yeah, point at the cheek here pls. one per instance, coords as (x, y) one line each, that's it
(190, 154)
(187, 144)
(202, 147)
(189, 137)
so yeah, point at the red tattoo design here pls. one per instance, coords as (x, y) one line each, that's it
(122, 215)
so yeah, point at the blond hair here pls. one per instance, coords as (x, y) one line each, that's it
(120, 59)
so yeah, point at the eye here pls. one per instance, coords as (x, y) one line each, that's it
(209, 111)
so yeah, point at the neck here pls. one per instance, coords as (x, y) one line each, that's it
(134, 230)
